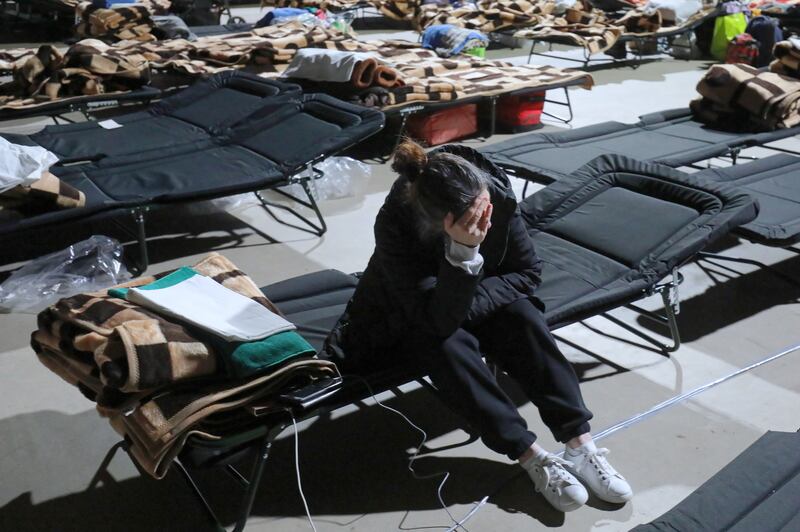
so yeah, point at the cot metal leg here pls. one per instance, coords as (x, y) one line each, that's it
(199, 494)
(492, 115)
(566, 103)
(742, 260)
(102, 474)
(251, 484)
(139, 264)
(317, 228)
(671, 302)
(530, 53)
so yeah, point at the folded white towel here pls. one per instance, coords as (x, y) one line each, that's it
(209, 305)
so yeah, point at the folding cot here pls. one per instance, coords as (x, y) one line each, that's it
(671, 137)
(639, 39)
(57, 109)
(594, 230)
(232, 133)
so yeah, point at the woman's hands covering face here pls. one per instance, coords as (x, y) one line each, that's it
(473, 225)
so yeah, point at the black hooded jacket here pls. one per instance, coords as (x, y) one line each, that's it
(410, 291)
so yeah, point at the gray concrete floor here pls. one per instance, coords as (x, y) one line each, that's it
(354, 464)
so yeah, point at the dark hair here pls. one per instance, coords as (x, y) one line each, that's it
(439, 183)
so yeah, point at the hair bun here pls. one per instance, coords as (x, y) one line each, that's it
(410, 160)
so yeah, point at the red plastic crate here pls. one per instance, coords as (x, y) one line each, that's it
(444, 126)
(520, 112)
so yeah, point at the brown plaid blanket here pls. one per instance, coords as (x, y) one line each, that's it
(155, 7)
(158, 427)
(155, 382)
(787, 58)
(45, 194)
(487, 16)
(131, 348)
(269, 50)
(11, 58)
(739, 96)
(123, 23)
(429, 78)
(329, 5)
(88, 67)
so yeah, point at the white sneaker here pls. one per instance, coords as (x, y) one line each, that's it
(562, 490)
(593, 469)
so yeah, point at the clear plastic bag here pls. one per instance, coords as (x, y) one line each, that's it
(89, 265)
(342, 177)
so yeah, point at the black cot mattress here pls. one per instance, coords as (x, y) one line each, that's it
(775, 182)
(758, 491)
(670, 137)
(609, 232)
(232, 133)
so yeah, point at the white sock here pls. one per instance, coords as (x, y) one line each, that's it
(537, 458)
(588, 447)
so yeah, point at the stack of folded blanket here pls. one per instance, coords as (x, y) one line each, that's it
(787, 58)
(356, 76)
(120, 23)
(177, 363)
(743, 98)
(88, 67)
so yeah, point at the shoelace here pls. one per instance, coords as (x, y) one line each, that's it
(598, 460)
(557, 475)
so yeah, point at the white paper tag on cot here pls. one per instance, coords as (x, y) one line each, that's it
(109, 124)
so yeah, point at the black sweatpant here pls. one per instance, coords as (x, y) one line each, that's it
(518, 340)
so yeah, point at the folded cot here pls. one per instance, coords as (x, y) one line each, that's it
(670, 137)
(234, 132)
(601, 248)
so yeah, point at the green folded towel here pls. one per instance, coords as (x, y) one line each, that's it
(241, 359)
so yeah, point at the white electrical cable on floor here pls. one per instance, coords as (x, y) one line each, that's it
(459, 524)
(416, 454)
(297, 470)
(661, 406)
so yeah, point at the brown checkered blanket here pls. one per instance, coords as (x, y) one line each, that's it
(269, 50)
(488, 16)
(741, 97)
(88, 67)
(429, 78)
(151, 377)
(329, 5)
(11, 58)
(787, 59)
(131, 23)
(45, 194)
(155, 7)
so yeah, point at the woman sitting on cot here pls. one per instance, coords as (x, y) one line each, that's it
(453, 278)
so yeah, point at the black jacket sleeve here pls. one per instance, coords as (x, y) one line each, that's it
(433, 305)
(517, 276)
